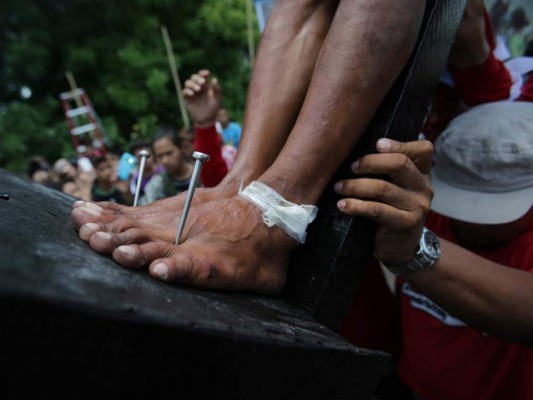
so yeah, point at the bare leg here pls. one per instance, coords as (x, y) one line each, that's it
(227, 245)
(289, 48)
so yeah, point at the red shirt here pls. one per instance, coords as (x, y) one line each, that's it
(443, 359)
(207, 140)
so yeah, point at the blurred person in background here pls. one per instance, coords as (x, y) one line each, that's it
(39, 171)
(231, 130)
(72, 181)
(167, 151)
(151, 167)
(104, 188)
(186, 136)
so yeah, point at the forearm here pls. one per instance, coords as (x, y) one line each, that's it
(285, 60)
(487, 296)
(368, 44)
(207, 140)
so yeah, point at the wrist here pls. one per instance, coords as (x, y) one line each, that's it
(204, 124)
(426, 256)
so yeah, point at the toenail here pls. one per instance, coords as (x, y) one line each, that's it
(161, 270)
(128, 250)
(90, 211)
(103, 235)
(93, 206)
(91, 227)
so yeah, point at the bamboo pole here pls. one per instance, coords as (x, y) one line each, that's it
(250, 30)
(175, 77)
(73, 86)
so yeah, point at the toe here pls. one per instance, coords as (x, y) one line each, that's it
(85, 214)
(88, 229)
(130, 256)
(104, 242)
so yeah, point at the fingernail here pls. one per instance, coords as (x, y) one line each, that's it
(79, 203)
(338, 186)
(103, 235)
(355, 165)
(341, 205)
(128, 250)
(90, 211)
(384, 144)
(91, 227)
(161, 270)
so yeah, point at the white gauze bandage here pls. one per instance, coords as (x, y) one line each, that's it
(290, 217)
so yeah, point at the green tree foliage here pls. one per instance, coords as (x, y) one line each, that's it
(115, 50)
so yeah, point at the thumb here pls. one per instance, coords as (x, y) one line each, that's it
(420, 152)
(217, 90)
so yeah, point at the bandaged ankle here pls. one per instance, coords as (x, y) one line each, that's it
(290, 217)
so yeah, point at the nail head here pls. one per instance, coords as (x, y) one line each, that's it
(200, 156)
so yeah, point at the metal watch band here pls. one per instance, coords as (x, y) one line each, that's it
(427, 254)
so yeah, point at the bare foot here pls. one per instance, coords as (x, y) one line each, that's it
(226, 245)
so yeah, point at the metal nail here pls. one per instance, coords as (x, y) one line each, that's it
(144, 155)
(200, 159)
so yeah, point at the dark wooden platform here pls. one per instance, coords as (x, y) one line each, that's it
(71, 317)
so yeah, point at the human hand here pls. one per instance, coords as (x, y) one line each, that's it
(203, 98)
(400, 206)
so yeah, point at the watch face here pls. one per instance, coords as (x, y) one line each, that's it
(431, 244)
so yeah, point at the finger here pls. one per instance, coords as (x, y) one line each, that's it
(397, 166)
(382, 214)
(420, 152)
(199, 80)
(204, 73)
(376, 189)
(217, 90)
(187, 92)
(192, 85)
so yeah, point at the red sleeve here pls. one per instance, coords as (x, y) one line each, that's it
(489, 34)
(484, 83)
(207, 140)
(526, 92)
(487, 82)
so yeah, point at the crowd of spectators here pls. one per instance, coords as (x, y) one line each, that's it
(113, 176)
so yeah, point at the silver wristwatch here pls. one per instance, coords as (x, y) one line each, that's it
(427, 254)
